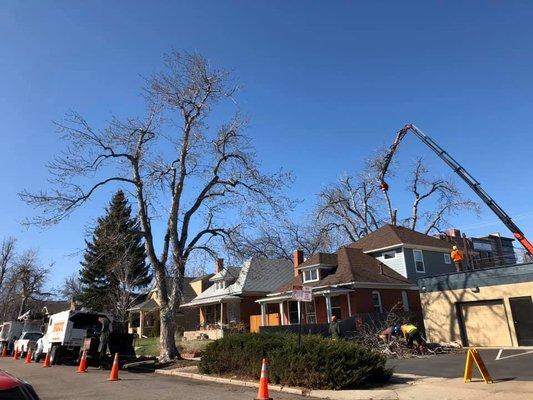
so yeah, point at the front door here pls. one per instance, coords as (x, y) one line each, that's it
(522, 311)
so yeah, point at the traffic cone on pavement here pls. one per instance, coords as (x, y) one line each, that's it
(47, 361)
(262, 393)
(28, 357)
(82, 368)
(113, 376)
(16, 354)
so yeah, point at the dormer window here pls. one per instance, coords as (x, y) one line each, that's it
(219, 285)
(311, 275)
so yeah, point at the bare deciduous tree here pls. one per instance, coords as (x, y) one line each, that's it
(7, 253)
(350, 206)
(172, 158)
(355, 207)
(278, 239)
(447, 200)
(28, 278)
(71, 287)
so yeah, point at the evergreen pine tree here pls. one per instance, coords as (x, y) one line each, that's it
(114, 263)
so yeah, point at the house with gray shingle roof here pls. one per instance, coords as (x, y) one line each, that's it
(342, 284)
(231, 298)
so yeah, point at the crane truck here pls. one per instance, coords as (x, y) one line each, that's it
(459, 170)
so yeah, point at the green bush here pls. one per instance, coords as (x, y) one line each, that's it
(320, 363)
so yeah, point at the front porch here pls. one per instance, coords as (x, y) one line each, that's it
(217, 316)
(326, 304)
(143, 319)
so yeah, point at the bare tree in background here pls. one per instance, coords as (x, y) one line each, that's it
(351, 206)
(169, 158)
(28, 278)
(7, 253)
(71, 287)
(278, 239)
(355, 206)
(447, 200)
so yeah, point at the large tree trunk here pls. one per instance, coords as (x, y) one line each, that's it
(168, 350)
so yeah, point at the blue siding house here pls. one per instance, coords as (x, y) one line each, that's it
(410, 253)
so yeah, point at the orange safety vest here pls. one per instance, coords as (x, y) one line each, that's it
(457, 256)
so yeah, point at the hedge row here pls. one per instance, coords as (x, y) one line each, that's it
(319, 364)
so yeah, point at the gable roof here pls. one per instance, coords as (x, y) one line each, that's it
(352, 266)
(390, 235)
(256, 276)
(325, 259)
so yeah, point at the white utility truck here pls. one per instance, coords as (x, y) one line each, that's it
(10, 331)
(66, 332)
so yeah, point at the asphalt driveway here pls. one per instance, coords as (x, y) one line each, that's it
(510, 364)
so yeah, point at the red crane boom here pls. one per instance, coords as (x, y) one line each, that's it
(459, 170)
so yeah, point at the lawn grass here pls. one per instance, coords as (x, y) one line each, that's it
(150, 346)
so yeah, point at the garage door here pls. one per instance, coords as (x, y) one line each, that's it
(485, 323)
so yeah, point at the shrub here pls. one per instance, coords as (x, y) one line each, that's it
(320, 363)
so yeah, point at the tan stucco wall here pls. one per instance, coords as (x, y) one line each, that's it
(440, 316)
(197, 286)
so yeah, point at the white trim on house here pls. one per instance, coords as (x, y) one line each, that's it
(408, 246)
(419, 251)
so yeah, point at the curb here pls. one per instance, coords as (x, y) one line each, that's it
(375, 394)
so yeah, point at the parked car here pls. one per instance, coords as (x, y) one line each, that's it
(27, 341)
(13, 388)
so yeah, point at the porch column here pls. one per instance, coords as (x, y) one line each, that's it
(141, 323)
(299, 311)
(221, 314)
(282, 314)
(349, 304)
(328, 307)
(263, 314)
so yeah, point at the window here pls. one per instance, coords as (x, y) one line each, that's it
(310, 312)
(389, 254)
(419, 261)
(311, 275)
(405, 301)
(376, 300)
(293, 312)
(336, 307)
(219, 285)
(447, 259)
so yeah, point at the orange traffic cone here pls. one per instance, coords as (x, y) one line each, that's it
(262, 393)
(47, 361)
(4, 351)
(16, 354)
(28, 357)
(82, 368)
(113, 376)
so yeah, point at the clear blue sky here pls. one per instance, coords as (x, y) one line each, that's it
(323, 84)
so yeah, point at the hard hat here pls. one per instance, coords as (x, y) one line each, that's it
(454, 247)
(396, 330)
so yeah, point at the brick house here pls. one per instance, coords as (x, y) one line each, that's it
(410, 253)
(344, 284)
(231, 298)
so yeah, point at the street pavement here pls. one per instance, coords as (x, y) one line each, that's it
(63, 383)
(510, 365)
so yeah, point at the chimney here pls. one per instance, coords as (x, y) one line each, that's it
(297, 259)
(219, 266)
(454, 233)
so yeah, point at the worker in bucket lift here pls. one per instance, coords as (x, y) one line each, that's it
(457, 258)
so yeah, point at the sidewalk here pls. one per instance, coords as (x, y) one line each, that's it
(408, 387)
